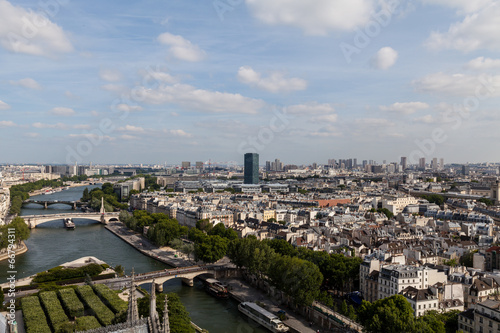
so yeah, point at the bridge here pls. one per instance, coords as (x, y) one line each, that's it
(33, 220)
(47, 203)
(186, 274)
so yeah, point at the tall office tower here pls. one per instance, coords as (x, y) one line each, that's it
(269, 166)
(421, 163)
(465, 170)
(365, 163)
(354, 162)
(186, 165)
(278, 165)
(434, 164)
(331, 162)
(251, 172)
(404, 162)
(199, 165)
(441, 163)
(349, 164)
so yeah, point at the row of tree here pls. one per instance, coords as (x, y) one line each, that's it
(21, 232)
(19, 193)
(394, 315)
(111, 200)
(300, 279)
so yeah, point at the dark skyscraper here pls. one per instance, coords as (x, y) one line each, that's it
(251, 172)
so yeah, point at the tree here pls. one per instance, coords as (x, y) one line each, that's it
(86, 195)
(211, 249)
(389, 315)
(467, 259)
(21, 230)
(119, 270)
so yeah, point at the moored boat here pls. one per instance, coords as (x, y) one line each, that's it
(216, 288)
(263, 317)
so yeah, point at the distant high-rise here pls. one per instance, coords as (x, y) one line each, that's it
(441, 163)
(186, 165)
(251, 171)
(421, 163)
(199, 165)
(404, 162)
(434, 164)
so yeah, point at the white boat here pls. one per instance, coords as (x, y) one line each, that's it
(68, 223)
(263, 317)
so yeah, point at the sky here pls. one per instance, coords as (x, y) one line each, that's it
(159, 81)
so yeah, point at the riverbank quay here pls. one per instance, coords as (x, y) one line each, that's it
(308, 319)
(242, 291)
(142, 244)
(22, 248)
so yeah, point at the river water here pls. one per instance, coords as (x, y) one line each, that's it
(50, 245)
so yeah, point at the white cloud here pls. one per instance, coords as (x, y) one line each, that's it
(385, 58)
(110, 75)
(7, 123)
(482, 63)
(315, 17)
(81, 126)
(427, 119)
(405, 108)
(54, 126)
(131, 128)
(181, 48)
(463, 6)
(92, 136)
(128, 108)
(201, 100)
(459, 84)
(478, 30)
(178, 133)
(24, 31)
(32, 135)
(374, 122)
(128, 137)
(276, 82)
(310, 109)
(4, 106)
(26, 83)
(94, 113)
(174, 114)
(62, 111)
(157, 76)
(326, 132)
(329, 118)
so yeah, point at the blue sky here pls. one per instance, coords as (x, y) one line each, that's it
(303, 81)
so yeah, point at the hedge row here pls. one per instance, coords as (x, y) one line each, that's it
(110, 298)
(53, 309)
(34, 317)
(71, 302)
(86, 323)
(60, 273)
(92, 301)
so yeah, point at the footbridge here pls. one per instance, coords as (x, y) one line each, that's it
(186, 274)
(33, 220)
(47, 203)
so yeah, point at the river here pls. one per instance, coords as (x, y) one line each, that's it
(50, 245)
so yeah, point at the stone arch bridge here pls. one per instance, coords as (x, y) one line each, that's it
(33, 220)
(46, 203)
(186, 274)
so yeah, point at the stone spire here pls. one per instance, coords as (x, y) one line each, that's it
(103, 210)
(166, 323)
(133, 312)
(153, 314)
